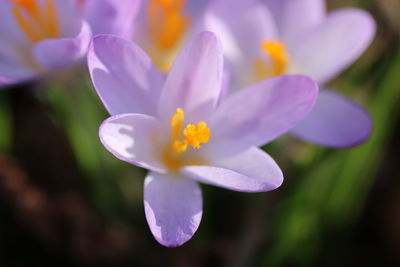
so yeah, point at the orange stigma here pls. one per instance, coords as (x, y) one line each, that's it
(36, 21)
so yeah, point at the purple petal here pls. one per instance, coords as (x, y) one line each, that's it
(124, 76)
(260, 113)
(112, 17)
(294, 17)
(59, 53)
(250, 171)
(335, 121)
(196, 8)
(11, 72)
(173, 207)
(9, 81)
(5, 81)
(332, 46)
(226, 83)
(130, 137)
(242, 27)
(9, 29)
(69, 17)
(195, 80)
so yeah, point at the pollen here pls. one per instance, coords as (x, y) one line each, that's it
(192, 135)
(181, 140)
(36, 21)
(277, 53)
(167, 22)
(196, 134)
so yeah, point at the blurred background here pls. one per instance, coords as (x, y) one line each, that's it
(66, 201)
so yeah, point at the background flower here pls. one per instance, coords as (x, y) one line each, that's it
(164, 26)
(39, 36)
(262, 41)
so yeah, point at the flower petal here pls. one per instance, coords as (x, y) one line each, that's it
(124, 76)
(173, 207)
(130, 137)
(294, 17)
(11, 72)
(329, 48)
(59, 53)
(9, 81)
(335, 121)
(5, 81)
(112, 17)
(195, 80)
(10, 30)
(260, 113)
(196, 8)
(69, 17)
(250, 171)
(242, 27)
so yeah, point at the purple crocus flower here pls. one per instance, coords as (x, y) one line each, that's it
(163, 26)
(275, 37)
(180, 130)
(39, 36)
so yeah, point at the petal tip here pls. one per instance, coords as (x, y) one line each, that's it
(335, 122)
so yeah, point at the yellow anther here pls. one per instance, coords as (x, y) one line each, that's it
(181, 139)
(36, 22)
(167, 22)
(192, 135)
(276, 51)
(196, 134)
(177, 123)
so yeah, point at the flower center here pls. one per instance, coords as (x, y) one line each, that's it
(167, 24)
(37, 21)
(192, 134)
(276, 51)
(182, 138)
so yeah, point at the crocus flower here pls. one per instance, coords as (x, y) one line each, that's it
(164, 25)
(275, 37)
(182, 131)
(39, 36)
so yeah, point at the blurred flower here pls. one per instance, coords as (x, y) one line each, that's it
(263, 40)
(111, 16)
(179, 130)
(164, 25)
(39, 36)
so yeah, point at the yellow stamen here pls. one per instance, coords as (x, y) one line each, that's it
(179, 146)
(192, 134)
(181, 139)
(276, 51)
(35, 21)
(52, 20)
(196, 134)
(167, 22)
(177, 124)
(29, 5)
